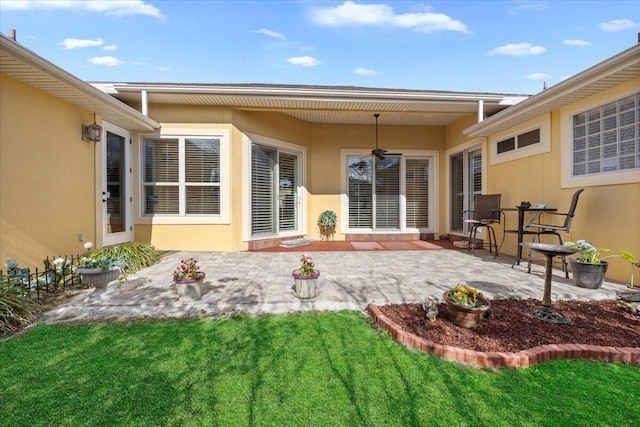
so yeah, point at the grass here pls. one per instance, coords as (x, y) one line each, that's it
(297, 370)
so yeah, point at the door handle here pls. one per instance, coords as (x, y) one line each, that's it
(106, 195)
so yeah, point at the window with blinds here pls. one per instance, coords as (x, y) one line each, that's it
(417, 192)
(181, 176)
(607, 138)
(263, 164)
(457, 192)
(274, 190)
(360, 192)
(387, 190)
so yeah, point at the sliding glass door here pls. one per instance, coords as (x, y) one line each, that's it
(274, 191)
(466, 182)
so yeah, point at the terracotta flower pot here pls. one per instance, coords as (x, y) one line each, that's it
(466, 317)
(190, 289)
(306, 285)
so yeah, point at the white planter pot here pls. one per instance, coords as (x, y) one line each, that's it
(99, 277)
(190, 289)
(306, 286)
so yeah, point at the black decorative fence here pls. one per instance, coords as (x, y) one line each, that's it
(57, 274)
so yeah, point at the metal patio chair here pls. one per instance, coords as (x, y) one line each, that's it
(538, 229)
(486, 211)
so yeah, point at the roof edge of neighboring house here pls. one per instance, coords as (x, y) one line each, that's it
(37, 62)
(555, 93)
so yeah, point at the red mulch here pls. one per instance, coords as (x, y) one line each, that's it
(512, 328)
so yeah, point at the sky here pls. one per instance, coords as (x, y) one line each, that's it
(510, 47)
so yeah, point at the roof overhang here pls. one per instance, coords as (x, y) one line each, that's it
(618, 69)
(21, 64)
(321, 104)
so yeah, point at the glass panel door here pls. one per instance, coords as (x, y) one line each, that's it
(466, 182)
(387, 191)
(116, 189)
(274, 191)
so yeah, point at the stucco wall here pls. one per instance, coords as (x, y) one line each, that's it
(607, 215)
(46, 173)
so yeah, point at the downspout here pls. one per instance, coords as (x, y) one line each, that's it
(480, 110)
(145, 104)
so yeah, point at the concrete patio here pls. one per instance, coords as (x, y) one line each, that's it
(261, 283)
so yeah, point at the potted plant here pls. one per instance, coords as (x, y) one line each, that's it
(327, 224)
(188, 279)
(306, 278)
(466, 306)
(589, 269)
(98, 270)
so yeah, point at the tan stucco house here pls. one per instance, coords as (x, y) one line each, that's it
(235, 167)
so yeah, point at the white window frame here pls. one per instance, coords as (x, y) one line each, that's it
(247, 140)
(434, 195)
(544, 146)
(224, 136)
(588, 180)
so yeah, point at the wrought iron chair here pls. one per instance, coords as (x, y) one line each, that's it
(538, 229)
(486, 211)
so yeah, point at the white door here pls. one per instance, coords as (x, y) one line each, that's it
(116, 195)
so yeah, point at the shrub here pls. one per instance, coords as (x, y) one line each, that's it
(134, 255)
(15, 309)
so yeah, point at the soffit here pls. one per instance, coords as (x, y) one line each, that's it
(25, 66)
(326, 105)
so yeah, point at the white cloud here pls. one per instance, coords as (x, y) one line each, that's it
(537, 76)
(518, 49)
(365, 71)
(110, 47)
(576, 42)
(108, 7)
(107, 61)
(80, 43)
(618, 25)
(270, 33)
(350, 13)
(528, 6)
(305, 61)
(163, 69)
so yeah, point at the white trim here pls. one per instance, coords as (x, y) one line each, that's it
(434, 191)
(224, 135)
(544, 146)
(566, 149)
(301, 151)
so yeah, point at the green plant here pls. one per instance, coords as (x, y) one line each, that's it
(464, 295)
(630, 259)
(327, 218)
(308, 265)
(133, 256)
(188, 269)
(588, 253)
(15, 309)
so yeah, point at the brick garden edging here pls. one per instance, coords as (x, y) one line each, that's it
(521, 359)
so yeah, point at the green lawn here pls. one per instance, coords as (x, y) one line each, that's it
(328, 369)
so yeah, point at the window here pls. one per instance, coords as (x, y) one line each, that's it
(520, 141)
(380, 191)
(181, 176)
(605, 138)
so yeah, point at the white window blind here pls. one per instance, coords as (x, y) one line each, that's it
(417, 193)
(161, 177)
(181, 176)
(387, 188)
(263, 162)
(360, 192)
(457, 189)
(287, 165)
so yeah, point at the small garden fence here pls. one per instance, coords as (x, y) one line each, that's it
(57, 274)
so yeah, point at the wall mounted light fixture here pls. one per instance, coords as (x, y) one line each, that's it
(92, 133)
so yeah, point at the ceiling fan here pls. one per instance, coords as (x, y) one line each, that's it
(379, 152)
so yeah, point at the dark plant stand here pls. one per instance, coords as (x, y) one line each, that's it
(546, 312)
